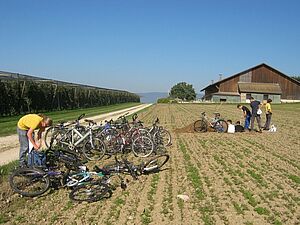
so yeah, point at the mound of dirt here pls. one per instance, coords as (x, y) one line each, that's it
(187, 129)
(190, 129)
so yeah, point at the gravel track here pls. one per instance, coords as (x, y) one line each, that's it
(9, 145)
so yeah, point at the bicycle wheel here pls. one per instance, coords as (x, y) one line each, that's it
(142, 146)
(112, 141)
(221, 126)
(59, 138)
(90, 192)
(154, 164)
(48, 135)
(162, 137)
(95, 150)
(140, 132)
(29, 182)
(200, 126)
(70, 160)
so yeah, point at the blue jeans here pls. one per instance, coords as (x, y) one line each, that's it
(247, 122)
(24, 145)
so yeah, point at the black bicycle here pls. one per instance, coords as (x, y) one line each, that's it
(217, 124)
(36, 180)
(101, 188)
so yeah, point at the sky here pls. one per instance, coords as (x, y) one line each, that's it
(147, 45)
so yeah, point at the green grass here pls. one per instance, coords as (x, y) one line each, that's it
(8, 125)
(287, 107)
(262, 211)
(69, 205)
(6, 169)
(192, 173)
(146, 216)
(294, 178)
(239, 208)
(257, 177)
(3, 218)
(249, 196)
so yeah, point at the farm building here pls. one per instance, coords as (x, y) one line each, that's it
(261, 82)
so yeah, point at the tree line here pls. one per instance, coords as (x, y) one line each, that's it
(26, 96)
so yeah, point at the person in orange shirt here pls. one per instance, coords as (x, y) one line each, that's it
(26, 127)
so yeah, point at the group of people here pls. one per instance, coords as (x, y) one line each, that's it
(255, 114)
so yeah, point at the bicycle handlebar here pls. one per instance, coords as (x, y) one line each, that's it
(81, 116)
(91, 122)
(123, 116)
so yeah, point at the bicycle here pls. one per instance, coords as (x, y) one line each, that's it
(34, 181)
(87, 144)
(62, 126)
(101, 188)
(217, 124)
(161, 136)
(119, 137)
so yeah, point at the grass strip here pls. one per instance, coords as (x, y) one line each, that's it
(8, 125)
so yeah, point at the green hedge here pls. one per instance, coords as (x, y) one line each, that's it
(25, 96)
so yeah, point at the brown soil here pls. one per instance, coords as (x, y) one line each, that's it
(242, 178)
(187, 129)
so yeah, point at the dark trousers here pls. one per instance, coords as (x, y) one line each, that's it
(268, 121)
(258, 119)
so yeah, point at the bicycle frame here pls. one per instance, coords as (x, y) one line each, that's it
(74, 132)
(86, 176)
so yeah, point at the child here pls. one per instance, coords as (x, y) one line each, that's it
(239, 127)
(231, 127)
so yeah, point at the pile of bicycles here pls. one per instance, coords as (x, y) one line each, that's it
(92, 142)
(121, 136)
(85, 185)
(71, 145)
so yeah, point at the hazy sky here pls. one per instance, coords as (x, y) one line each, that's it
(147, 45)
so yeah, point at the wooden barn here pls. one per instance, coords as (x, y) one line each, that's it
(261, 82)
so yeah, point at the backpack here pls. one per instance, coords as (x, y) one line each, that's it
(36, 158)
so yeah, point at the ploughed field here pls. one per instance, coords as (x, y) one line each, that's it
(241, 178)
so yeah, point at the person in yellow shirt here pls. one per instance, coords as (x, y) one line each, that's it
(25, 128)
(268, 114)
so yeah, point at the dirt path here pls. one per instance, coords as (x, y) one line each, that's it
(9, 145)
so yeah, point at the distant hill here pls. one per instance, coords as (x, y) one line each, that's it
(151, 97)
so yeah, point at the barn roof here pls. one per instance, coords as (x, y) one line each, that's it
(270, 88)
(248, 70)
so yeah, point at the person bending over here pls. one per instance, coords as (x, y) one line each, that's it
(25, 128)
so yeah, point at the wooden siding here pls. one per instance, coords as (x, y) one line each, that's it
(210, 90)
(230, 85)
(290, 90)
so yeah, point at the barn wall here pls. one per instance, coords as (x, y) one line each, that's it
(229, 98)
(260, 74)
(260, 97)
(290, 90)
(211, 90)
(230, 85)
